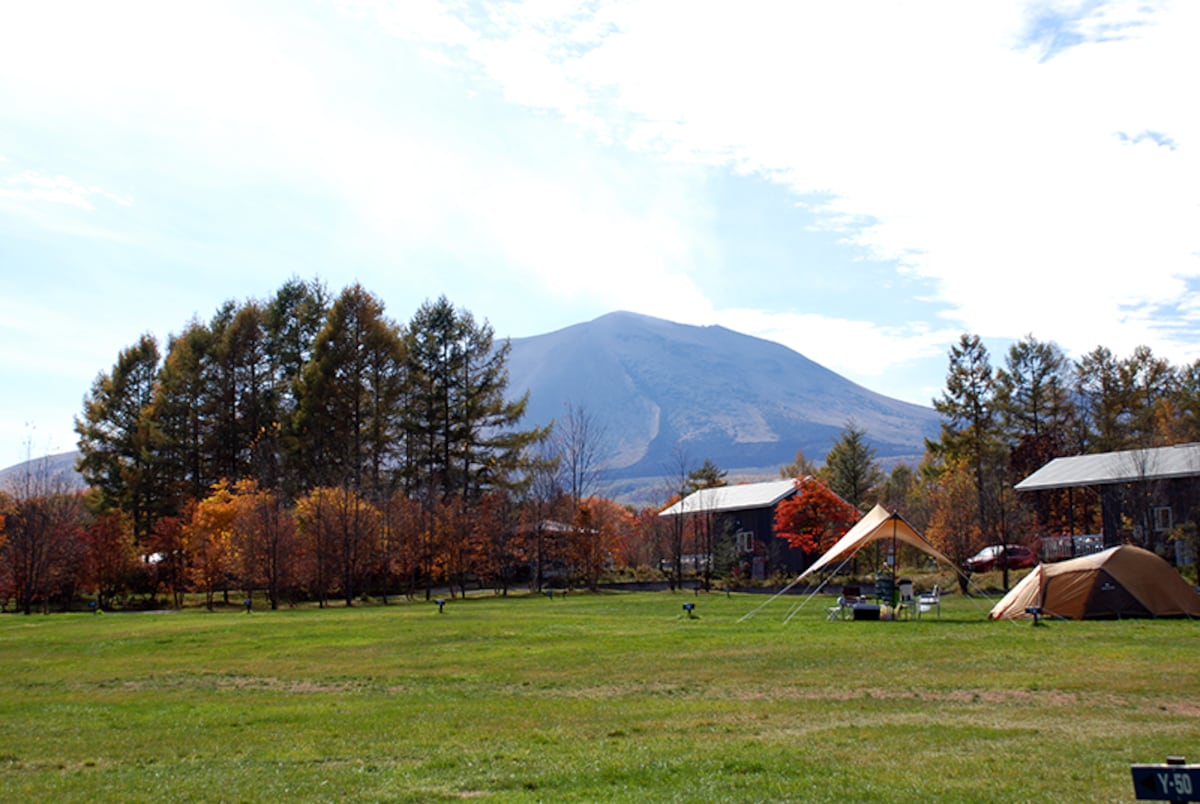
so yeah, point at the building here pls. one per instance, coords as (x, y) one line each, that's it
(1145, 494)
(746, 513)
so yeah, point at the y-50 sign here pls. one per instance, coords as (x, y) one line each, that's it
(1167, 782)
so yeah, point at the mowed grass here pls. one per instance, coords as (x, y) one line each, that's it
(607, 697)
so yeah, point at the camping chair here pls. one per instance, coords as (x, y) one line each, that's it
(837, 612)
(930, 601)
(904, 605)
(845, 604)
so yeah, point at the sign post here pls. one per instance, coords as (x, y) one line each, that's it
(1174, 781)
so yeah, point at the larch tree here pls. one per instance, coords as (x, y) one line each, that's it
(705, 526)
(1038, 418)
(970, 427)
(179, 410)
(463, 430)
(954, 520)
(851, 470)
(117, 437)
(350, 417)
(800, 466)
(1105, 399)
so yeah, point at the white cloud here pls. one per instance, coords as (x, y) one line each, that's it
(31, 187)
(931, 135)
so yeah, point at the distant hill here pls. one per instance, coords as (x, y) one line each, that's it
(53, 468)
(746, 403)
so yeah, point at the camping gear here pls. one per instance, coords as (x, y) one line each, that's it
(1123, 581)
(878, 525)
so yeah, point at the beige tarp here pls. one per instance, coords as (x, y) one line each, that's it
(1124, 581)
(878, 525)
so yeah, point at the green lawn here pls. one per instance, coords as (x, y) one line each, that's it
(588, 698)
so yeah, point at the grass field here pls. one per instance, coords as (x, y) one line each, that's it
(588, 698)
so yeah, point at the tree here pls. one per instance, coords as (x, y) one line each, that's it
(814, 517)
(1151, 382)
(179, 410)
(43, 545)
(112, 558)
(969, 423)
(851, 470)
(1038, 418)
(708, 476)
(678, 483)
(543, 502)
(461, 429)
(1105, 401)
(116, 437)
(579, 439)
(1033, 393)
(597, 529)
(265, 539)
(167, 552)
(799, 467)
(954, 522)
(208, 540)
(350, 397)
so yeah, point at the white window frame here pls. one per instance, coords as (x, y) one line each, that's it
(1164, 519)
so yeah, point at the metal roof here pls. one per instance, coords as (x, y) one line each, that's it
(1107, 468)
(733, 498)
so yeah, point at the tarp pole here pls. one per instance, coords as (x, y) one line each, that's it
(894, 556)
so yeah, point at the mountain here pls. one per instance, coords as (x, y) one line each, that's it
(51, 471)
(746, 403)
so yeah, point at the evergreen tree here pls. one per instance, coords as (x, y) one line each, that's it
(117, 436)
(461, 429)
(970, 432)
(851, 470)
(1105, 401)
(179, 406)
(350, 397)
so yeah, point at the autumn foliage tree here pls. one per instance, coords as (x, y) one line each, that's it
(265, 539)
(596, 533)
(112, 559)
(208, 541)
(814, 517)
(954, 521)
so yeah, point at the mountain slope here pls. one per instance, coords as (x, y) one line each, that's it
(747, 403)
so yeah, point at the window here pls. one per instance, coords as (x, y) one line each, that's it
(745, 541)
(1162, 519)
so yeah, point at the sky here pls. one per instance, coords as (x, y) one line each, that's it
(861, 181)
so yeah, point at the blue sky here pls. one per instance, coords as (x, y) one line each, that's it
(861, 181)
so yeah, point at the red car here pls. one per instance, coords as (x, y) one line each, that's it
(989, 558)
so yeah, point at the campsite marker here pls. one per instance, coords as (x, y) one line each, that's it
(689, 607)
(1174, 781)
(440, 603)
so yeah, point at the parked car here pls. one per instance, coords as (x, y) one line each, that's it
(987, 559)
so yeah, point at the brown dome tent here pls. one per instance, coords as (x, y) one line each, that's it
(1123, 581)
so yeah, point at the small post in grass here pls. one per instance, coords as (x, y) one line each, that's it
(690, 609)
(440, 604)
(1036, 611)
